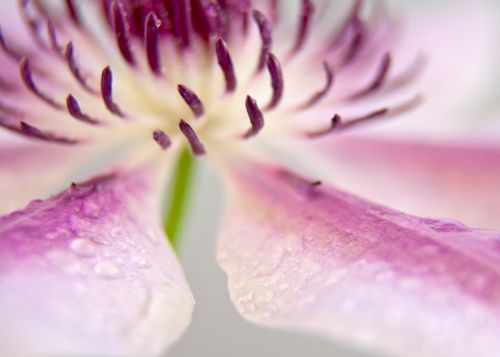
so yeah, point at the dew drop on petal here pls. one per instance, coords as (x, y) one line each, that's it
(83, 248)
(106, 269)
(140, 262)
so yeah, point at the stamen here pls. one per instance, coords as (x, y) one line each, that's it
(162, 139)
(207, 18)
(192, 100)
(54, 43)
(379, 79)
(27, 77)
(355, 44)
(69, 54)
(306, 12)
(274, 68)
(265, 35)
(226, 64)
(75, 111)
(256, 117)
(107, 91)
(9, 51)
(244, 9)
(407, 75)
(72, 11)
(386, 113)
(152, 45)
(4, 123)
(350, 19)
(120, 27)
(195, 143)
(32, 22)
(334, 124)
(36, 133)
(310, 188)
(182, 22)
(322, 93)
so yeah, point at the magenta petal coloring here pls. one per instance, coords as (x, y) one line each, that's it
(299, 255)
(89, 272)
(111, 92)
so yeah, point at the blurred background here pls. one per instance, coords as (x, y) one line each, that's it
(217, 329)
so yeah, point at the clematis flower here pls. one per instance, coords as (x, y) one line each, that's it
(278, 95)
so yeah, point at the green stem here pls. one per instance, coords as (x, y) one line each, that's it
(179, 197)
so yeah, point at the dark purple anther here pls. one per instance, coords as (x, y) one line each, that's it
(310, 188)
(182, 21)
(30, 19)
(335, 123)
(244, 7)
(226, 64)
(274, 68)
(75, 111)
(36, 133)
(152, 44)
(266, 36)
(330, 76)
(192, 100)
(351, 19)
(207, 18)
(356, 42)
(72, 11)
(384, 113)
(69, 54)
(107, 91)
(383, 70)
(380, 77)
(306, 12)
(54, 43)
(27, 77)
(120, 26)
(162, 139)
(256, 117)
(192, 138)
(372, 115)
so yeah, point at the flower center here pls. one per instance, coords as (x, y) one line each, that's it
(202, 72)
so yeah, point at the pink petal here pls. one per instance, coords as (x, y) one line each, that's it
(311, 257)
(20, 160)
(89, 272)
(457, 180)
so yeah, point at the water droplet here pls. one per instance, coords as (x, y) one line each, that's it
(140, 262)
(83, 248)
(245, 298)
(263, 297)
(106, 269)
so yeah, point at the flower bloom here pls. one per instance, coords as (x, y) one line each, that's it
(115, 89)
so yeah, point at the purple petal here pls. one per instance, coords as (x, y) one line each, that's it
(89, 272)
(454, 179)
(301, 255)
